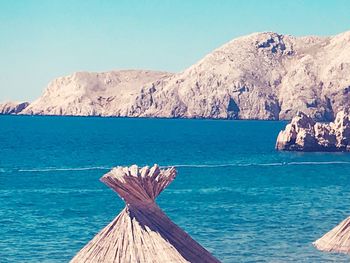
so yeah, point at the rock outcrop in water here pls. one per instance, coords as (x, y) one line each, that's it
(304, 134)
(259, 76)
(142, 232)
(12, 107)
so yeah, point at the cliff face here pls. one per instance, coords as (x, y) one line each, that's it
(304, 134)
(93, 94)
(12, 107)
(259, 76)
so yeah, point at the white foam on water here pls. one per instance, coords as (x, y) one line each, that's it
(318, 163)
(255, 164)
(53, 169)
(106, 168)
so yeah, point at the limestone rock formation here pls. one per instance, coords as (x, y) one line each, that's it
(12, 107)
(259, 76)
(93, 94)
(142, 232)
(304, 134)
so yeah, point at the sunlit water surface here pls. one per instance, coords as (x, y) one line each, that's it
(234, 193)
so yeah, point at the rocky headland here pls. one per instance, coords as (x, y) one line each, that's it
(267, 76)
(12, 107)
(304, 134)
(94, 94)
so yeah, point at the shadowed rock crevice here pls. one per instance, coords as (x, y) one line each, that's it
(232, 109)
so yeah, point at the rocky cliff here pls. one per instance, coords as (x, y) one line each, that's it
(259, 76)
(93, 94)
(12, 107)
(304, 134)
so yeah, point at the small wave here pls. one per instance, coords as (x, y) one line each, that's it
(50, 191)
(255, 164)
(180, 191)
(53, 169)
(318, 163)
(106, 168)
(214, 190)
(199, 165)
(221, 165)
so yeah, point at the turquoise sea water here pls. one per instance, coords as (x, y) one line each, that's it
(234, 193)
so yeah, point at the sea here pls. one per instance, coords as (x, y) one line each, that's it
(234, 193)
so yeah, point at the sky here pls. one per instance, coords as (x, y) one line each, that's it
(44, 39)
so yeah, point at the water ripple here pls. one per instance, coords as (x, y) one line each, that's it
(68, 169)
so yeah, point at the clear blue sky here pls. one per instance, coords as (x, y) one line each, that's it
(44, 39)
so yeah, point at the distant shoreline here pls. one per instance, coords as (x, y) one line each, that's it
(132, 117)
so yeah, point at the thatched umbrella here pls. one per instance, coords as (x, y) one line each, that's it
(141, 232)
(336, 240)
